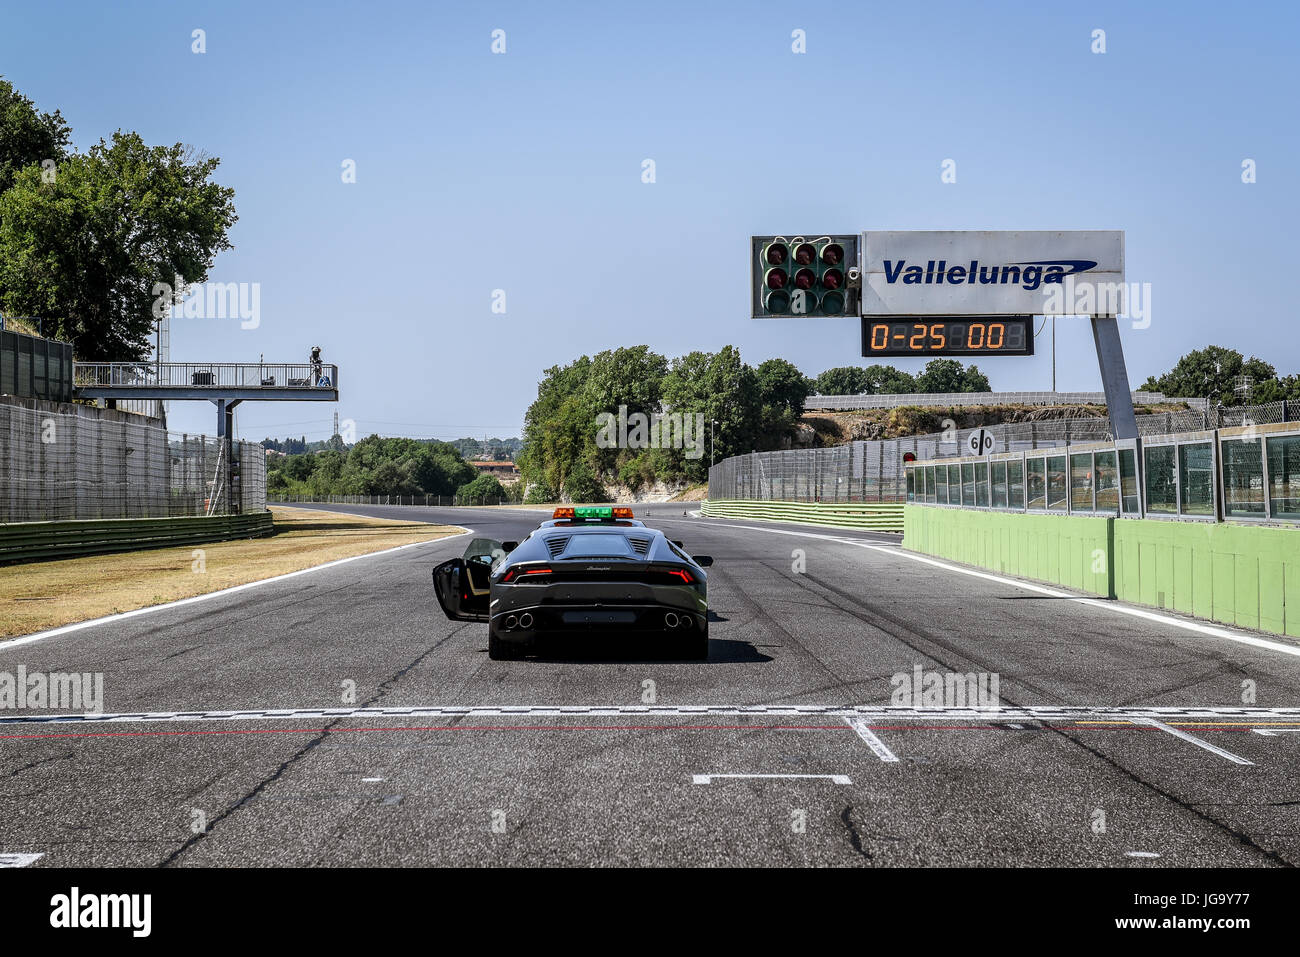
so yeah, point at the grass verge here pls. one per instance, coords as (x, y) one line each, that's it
(43, 595)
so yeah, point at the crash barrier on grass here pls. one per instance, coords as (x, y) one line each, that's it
(46, 541)
(872, 471)
(429, 500)
(65, 462)
(877, 516)
(1204, 523)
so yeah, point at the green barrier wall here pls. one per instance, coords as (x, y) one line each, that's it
(1246, 575)
(877, 516)
(47, 541)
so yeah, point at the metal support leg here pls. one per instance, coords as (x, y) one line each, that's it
(1114, 377)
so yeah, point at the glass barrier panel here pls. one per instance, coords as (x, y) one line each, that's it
(911, 485)
(1036, 483)
(1056, 476)
(1107, 480)
(1081, 482)
(1196, 478)
(1016, 484)
(1243, 477)
(981, 485)
(967, 485)
(1162, 495)
(999, 484)
(1128, 482)
(1284, 476)
(941, 484)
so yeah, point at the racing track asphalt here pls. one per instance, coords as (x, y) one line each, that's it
(487, 788)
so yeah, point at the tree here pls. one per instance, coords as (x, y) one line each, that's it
(28, 137)
(844, 380)
(1211, 373)
(782, 389)
(886, 380)
(485, 488)
(89, 250)
(948, 375)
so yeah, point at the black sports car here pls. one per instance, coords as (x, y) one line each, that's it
(593, 569)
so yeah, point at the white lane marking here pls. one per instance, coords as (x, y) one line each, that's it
(710, 778)
(874, 743)
(1112, 606)
(19, 860)
(371, 780)
(1274, 732)
(1193, 739)
(901, 712)
(79, 626)
(1151, 854)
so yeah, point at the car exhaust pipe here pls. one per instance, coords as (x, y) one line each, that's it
(511, 622)
(670, 620)
(525, 620)
(686, 622)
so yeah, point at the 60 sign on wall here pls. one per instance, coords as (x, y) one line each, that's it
(968, 336)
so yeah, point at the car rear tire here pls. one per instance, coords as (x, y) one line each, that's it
(499, 650)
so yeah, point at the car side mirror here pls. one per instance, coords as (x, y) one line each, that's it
(704, 561)
(509, 547)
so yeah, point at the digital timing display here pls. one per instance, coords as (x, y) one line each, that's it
(969, 336)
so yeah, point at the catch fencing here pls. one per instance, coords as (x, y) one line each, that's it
(930, 399)
(872, 471)
(65, 462)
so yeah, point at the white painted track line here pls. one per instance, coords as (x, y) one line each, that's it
(710, 778)
(1246, 716)
(122, 616)
(1193, 739)
(1119, 608)
(873, 742)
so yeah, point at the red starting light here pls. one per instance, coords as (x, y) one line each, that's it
(832, 279)
(776, 278)
(909, 456)
(805, 279)
(804, 254)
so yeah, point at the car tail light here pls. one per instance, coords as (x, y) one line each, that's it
(522, 572)
(683, 574)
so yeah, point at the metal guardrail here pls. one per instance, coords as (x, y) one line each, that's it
(46, 541)
(849, 402)
(198, 375)
(877, 516)
(421, 500)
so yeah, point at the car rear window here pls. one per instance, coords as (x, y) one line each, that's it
(598, 545)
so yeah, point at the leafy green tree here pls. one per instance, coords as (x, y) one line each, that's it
(948, 375)
(89, 251)
(28, 137)
(581, 484)
(1211, 373)
(725, 390)
(484, 489)
(844, 380)
(886, 380)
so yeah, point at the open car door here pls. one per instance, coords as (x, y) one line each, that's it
(463, 584)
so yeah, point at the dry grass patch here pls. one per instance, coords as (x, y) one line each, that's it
(43, 595)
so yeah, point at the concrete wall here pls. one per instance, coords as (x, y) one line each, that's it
(1238, 574)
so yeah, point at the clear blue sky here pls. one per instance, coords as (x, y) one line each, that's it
(522, 172)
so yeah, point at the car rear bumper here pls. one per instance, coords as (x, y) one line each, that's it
(524, 622)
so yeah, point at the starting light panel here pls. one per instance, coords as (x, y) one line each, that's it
(797, 277)
(968, 336)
